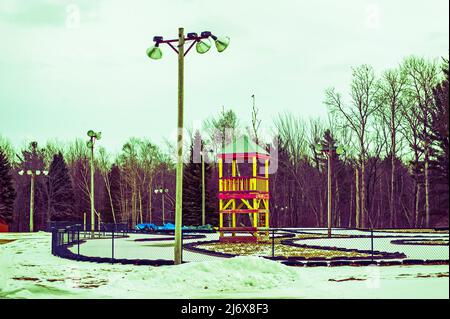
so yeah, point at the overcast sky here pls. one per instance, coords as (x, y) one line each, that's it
(69, 66)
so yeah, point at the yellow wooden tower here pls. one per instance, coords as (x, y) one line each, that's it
(243, 200)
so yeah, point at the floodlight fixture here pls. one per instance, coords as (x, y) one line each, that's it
(154, 52)
(221, 43)
(21, 172)
(206, 34)
(203, 46)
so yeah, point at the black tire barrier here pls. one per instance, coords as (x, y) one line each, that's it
(376, 253)
(294, 263)
(64, 252)
(282, 235)
(389, 263)
(408, 262)
(363, 263)
(316, 264)
(340, 263)
(436, 262)
(194, 248)
(418, 242)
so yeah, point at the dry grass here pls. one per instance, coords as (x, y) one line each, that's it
(265, 249)
(6, 241)
(347, 279)
(315, 236)
(441, 242)
(26, 278)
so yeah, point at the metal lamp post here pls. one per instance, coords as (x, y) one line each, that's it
(202, 45)
(33, 174)
(163, 191)
(202, 153)
(329, 150)
(90, 144)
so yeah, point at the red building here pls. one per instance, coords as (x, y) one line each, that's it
(3, 226)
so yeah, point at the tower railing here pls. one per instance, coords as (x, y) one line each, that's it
(244, 184)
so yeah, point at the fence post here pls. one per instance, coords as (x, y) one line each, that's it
(78, 240)
(371, 242)
(53, 240)
(273, 243)
(112, 243)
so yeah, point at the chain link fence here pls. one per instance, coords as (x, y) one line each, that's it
(296, 247)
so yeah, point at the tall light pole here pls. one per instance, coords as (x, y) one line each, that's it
(202, 154)
(93, 136)
(329, 150)
(202, 45)
(33, 174)
(163, 191)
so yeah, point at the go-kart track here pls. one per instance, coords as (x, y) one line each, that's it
(160, 246)
(29, 270)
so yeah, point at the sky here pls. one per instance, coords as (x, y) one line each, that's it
(70, 66)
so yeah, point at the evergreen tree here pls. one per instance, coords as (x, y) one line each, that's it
(7, 192)
(60, 191)
(32, 159)
(439, 128)
(440, 148)
(192, 188)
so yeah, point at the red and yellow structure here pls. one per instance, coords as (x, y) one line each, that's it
(243, 200)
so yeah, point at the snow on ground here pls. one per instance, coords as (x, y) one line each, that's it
(28, 270)
(131, 249)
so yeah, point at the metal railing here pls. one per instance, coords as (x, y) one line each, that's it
(75, 234)
(243, 184)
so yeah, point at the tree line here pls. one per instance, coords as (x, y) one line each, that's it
(393, 127)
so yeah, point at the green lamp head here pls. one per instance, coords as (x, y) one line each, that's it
(203, 46)
(154, 52)
(222, 43)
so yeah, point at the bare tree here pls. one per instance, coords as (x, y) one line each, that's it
(392, 87)
(104, 165)
(255, 121)
(422, 79)
(358, 116)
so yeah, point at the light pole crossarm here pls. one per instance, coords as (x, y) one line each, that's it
(192, 39)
